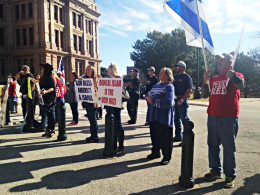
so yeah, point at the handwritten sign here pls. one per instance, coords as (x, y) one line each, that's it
(110, 92)
(85, 91)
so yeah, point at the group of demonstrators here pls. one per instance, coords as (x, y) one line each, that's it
(167, 106)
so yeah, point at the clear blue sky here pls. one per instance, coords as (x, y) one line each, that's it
(123, 22)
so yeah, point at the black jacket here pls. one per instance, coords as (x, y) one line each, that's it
(47, 82)
(23, 82)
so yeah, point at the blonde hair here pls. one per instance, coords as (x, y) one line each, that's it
(168, 73)
(114, 69)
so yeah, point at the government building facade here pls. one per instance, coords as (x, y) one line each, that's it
(42, 31)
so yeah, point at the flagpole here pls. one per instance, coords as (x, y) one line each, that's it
(237, 51)
(202, 41)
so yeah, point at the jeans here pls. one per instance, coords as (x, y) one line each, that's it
(50, 112)
(58, 99)
(75, 112)
(44, 117)
(181, 115)
(222, 130)
(12, 102)
(132, 107)
(161, 136)
(117, 117)
(92, 117)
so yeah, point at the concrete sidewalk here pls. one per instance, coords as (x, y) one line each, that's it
(30, 164)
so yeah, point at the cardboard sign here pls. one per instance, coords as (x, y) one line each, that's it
(110, 92)
(85, 91)
(4, 107)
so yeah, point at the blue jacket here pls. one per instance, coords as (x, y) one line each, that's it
(163, 107)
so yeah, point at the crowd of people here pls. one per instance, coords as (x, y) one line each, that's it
(167, 107)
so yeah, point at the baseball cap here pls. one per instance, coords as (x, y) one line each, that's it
(151, 69)
(135, 70)
(181, 64)
(226, 56)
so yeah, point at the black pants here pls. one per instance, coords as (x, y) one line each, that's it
(50, 112)
(161, 136)
(28, 107)
(132, 107)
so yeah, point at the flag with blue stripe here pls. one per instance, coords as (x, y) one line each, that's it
(186, 14)
(61, 67)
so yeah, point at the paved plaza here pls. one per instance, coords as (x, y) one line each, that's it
(30, 164)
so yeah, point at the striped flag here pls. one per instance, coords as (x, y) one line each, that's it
(61, 68)
(185, 12)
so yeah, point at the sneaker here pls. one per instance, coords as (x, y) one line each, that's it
(212, 176)
(92, 140)
(153, 156)
(229, 182)
(176, 139)
(73, 123)
(51, 134)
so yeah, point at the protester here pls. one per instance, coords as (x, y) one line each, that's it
(70, 97)
(119, 131)
(47, 85)
(27, 102)
(133, 87)
(223, 113)
(60, 91)
(183, 88)
(91, 108)
(151, 81)
(161, 117)
(12, 97)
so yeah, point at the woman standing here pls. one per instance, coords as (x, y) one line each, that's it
(113, 73)
(161, 118)
(91, 108)
(70, 97)
(47, 85)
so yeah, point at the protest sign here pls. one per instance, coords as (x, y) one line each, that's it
(85, 91)
(4, 107)
(110, 92)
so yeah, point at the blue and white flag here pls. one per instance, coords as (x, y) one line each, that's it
(186, 14)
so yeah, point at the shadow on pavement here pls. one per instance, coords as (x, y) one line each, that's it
(176, 189)
(251, 186)
(70, 179)
(17, 171)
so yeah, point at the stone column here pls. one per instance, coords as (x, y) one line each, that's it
(35, 24)
(53, 45)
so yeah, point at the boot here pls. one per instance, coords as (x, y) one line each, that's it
(120, 137)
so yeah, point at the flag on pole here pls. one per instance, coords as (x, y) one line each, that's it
(61, 67)
(63, 83)
(185, 12)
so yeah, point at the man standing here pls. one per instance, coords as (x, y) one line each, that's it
(133, 87)
(27, 103)
(223, 113)
(153, 79)
(183, 88)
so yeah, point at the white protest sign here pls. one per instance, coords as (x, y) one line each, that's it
(110, 92)
(85, 91)
(4, 107)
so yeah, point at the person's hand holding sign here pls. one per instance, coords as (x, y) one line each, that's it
(206, 77)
